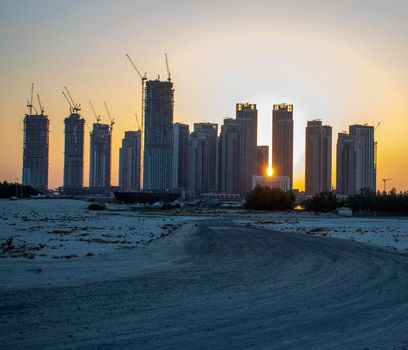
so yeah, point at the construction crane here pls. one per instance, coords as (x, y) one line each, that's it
(137, 122)
(41, 106)
(112, 120)
(168, 69)
(143, 79)
(89, 129)
(385, 183)
(375, 150)
(30, 102)
(97, 117)
(69, 102)
(75, 106)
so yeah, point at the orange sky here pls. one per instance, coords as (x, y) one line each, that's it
(342, 63)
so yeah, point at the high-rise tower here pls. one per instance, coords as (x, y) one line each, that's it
(262, 160)
(100, 156)
(282, 141)
(181, 134)
(210, 132)
(247, 118)
(158, 135)
(355, 160)
(35, 151)
(129, 161)
(318, 157)
(229, 156)
(74, 151)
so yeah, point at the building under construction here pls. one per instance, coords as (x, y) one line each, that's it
(74, 152)
(100, 156)
(158, 135)
(35, 147)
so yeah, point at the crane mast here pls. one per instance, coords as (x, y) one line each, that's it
(41, 106)
(168, 69)
(97, 117)
(69, 103)
(75, 107)
(112, 120)
(143, 79)
(30, 102)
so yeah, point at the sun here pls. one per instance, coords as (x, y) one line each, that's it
(269, 171)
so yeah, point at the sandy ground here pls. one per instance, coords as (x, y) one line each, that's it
(155, 280)
(218, 286)
(386, 232)
(65, 229)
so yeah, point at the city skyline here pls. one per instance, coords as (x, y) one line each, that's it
(366, 83)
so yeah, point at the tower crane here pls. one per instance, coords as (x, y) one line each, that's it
(385, 183)
(137, 122)
(143, 79)
(69, 102)
(89, 129)
(112, 120)
(30, 102)
(41, 106)
(98, 117)
(168, 69)
(75, 106)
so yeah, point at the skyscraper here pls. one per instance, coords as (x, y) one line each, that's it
(365, 136)
(355, 160)
(247, 117)
(35, 151)
(197, 163)
(262, 160)
(100, 156)
(318, 157)
(229, 156)
(74, 152)
(181, 134)
(158, 135)
(129, 161)
(282, 141)
(210, 132)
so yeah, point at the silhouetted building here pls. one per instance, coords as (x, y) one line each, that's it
(100, 156)
(365, 136)
(247, 117)
(262, 160)
(35, 151)
(129, 162)
(282, 182)
(74, 152)
(210, 132)
(158, 135)
(197, 163)
(355, 160)
(228, 147)
(181, 134)
(282, 141)
(318, 157)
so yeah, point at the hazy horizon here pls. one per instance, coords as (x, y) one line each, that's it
(343, 63)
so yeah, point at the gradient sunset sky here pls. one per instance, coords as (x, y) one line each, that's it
(344, 62)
